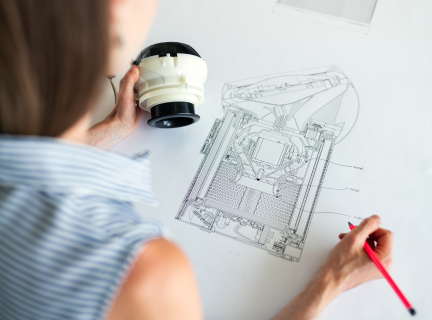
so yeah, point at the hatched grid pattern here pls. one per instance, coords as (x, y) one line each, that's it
(223, 188)
(281, 208)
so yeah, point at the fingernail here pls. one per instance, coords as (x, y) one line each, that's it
(377, 218)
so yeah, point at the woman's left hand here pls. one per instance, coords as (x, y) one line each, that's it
(123, 119)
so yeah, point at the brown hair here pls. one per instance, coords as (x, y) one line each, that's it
(53, 55)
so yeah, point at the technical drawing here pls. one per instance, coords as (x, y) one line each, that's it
(355, 15)
(261, 162)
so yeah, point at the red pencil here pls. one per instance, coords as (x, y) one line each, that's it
(384, 272)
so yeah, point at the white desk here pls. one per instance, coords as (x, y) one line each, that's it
(391, 68)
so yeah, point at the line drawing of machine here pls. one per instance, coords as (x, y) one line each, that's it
(265, 161)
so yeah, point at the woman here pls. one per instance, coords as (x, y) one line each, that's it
(71, 244)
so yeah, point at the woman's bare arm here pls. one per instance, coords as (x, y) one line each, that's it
(161, 285)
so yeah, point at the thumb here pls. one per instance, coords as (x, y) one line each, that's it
(130, 78)
(368, 226)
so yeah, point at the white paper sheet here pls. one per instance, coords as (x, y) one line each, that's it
(382, 167)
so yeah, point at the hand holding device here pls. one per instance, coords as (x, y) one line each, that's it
(346, 267)
(123, 119)
(170, 84)
(375, 259)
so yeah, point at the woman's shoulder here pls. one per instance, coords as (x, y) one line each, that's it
(66, 253)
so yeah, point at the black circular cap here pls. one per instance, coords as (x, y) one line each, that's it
(163, 48)
(173, 115)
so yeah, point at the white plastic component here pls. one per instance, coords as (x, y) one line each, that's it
(171, 79)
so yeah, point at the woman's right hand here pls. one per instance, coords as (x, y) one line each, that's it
(346, 267)
(348, 262)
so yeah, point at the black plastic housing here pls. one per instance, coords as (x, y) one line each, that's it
(173, 115)
(163, 48)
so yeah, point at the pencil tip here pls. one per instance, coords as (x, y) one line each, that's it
(350, 224)
(412, 311)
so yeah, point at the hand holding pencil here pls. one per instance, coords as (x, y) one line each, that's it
(347, 266)
(354, 264)
(375, 259)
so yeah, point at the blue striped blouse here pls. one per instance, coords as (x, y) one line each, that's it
(68, 231)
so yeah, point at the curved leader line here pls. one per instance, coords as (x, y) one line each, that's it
(338, 164)
(319, 212)
(331, 188)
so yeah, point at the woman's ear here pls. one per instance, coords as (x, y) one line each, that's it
(129, 23)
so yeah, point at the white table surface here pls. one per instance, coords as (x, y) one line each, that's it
(391, 68)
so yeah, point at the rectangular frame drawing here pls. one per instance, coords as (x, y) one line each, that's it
(265, 162)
